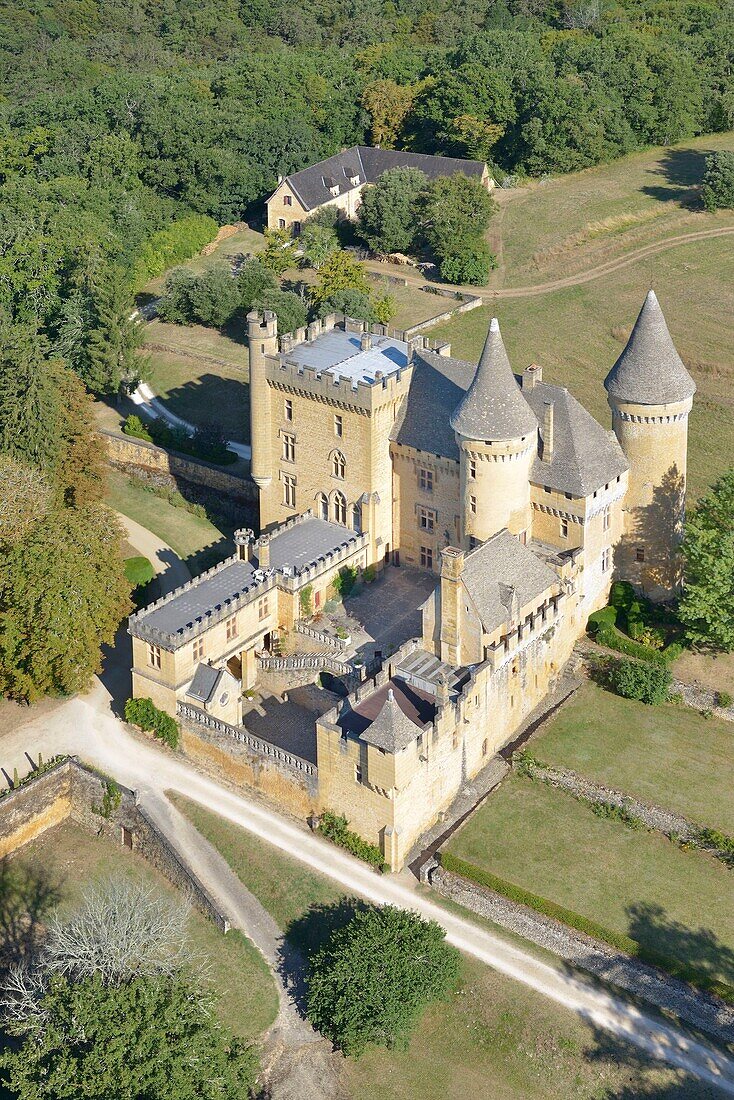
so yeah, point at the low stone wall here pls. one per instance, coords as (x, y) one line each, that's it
(124, 451)
(239, 764)
(591, 955)
(431, 322)
(72, 791)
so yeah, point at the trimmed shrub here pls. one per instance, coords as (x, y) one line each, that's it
(144, 714)
(619, 940)
(345, 580)
(335, 828)
(207, 442)
(649, 683)
(134, 426)
(599, 619)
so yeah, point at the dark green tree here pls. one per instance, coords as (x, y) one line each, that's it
(717, 190)
(29, 402)
(254, 281)
(317, 242)
(289, 307)
(707, 605)
(389, 218)
(374, 977)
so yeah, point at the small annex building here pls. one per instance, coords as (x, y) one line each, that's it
(339, 181)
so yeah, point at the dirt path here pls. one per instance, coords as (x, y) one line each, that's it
(85, 726)
(170, 570)
(599, 272)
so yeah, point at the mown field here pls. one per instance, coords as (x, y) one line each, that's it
(494, 1038)
(630, 881)
(668, 755)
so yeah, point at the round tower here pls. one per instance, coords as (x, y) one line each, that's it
(651, 394)
(262, 333)
(497, 434)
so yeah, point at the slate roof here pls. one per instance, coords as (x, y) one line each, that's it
(204, 683)
(585, 455)
(340, 354)
(392, 729)
(195, 606)
(500, 571)
(650, 371)
(312, 185)
(493, 406)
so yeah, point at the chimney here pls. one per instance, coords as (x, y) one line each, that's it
(263, 552)
(314, 330)
(452, 567)
(242, 540)
(286, 342)
(547, 431)
(365, 341)
(531, 376)
(442, 689)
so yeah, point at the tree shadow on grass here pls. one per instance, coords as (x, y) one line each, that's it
(638, 1064)
(683, 170)
(699, 949)
(213, 397)
(28, 893)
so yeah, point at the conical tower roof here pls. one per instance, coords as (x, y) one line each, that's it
(650, 371)
(391, 730)
(493, 406)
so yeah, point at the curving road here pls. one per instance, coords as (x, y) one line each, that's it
(86, 727)
(573, 280)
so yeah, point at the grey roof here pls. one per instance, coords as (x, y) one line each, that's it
(437, 386)
(391, 730)
(585, 455)
(502, 572)
(650, 371)
(207, 599)
(340, 354)
(493, 406)
(305, 542)
(312, 185)
(204, 683)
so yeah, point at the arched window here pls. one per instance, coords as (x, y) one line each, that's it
(340, 508)
(338, 465)
(357, 519)
(322, 506)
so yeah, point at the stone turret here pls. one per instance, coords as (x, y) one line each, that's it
(497, 435)
(262, 333)
(651, 394)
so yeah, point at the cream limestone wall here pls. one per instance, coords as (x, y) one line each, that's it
(655, 441)
(500, 487)
(410, 497)
(262, 334)
(278, 209)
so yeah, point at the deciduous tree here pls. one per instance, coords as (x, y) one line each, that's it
(389, 217)
(707, 606)
(717, 190)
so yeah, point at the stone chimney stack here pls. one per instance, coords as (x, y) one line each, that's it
(547, 431)
(263, 552)
(452, 567)
(242, 540)
(531, 376)
(365, 341)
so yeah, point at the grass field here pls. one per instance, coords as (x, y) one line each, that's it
(714, 670)
(573, 223)
(577, 333)
(639, 883)
(194, 539)
(73, 858)
(495, 1038)
(668, 755)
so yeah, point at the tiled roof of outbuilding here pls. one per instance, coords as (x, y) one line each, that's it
(650, 371)
(500, 571)
(391, 730)
(493, 406)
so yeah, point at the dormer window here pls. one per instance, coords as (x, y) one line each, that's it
(354, 180)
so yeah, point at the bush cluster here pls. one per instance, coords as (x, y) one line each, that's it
(685, 971)
(207, 442)
(345, 580)
(335, 828)
(634, 626)
(645, 681)
(144, 714)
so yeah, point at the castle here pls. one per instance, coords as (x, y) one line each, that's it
(368, 451)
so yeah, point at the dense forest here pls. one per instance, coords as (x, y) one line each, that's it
(119, 120)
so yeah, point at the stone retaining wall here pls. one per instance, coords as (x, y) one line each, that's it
(71, 791)
(431, 322)
(125, 451)
(581, 951)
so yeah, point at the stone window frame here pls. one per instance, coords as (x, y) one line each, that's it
(263, 607)
(288, 441)
(425, 479)
(339, 508)
(606, 518)
(288, 409)
(322, 506)
(563, 527)
(427, 518)
(338, 465)
(230, 627)
(473, 504)
(606, 559)
(426, 557)
(639, 553)
(338, 425)
(287, 200)
(289, 490)
(154, 655)
(197, 649)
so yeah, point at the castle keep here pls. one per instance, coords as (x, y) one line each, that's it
(370, 451)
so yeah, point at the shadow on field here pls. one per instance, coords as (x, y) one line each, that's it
(683, 171)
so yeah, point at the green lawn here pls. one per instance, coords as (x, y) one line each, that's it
(668, 755)
(639, 883)
(201, 392)
(495, 1038)
(73, 858)
(577, 333)
(196, 540)
(575, 222)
